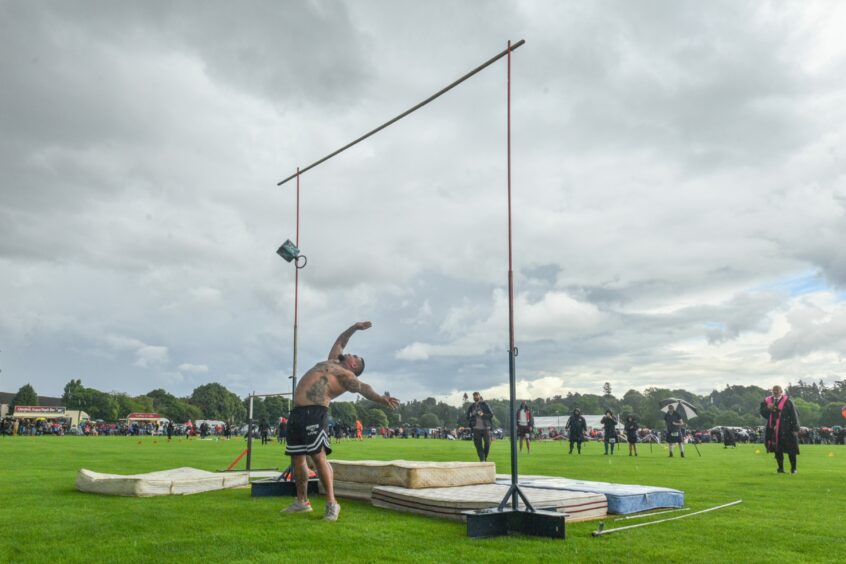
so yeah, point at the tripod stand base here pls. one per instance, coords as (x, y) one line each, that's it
(483, 523)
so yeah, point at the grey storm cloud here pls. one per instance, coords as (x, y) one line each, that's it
(678, 193)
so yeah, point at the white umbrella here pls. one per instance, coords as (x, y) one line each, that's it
(686, 410)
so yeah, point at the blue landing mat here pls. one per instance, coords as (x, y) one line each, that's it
(623, 499)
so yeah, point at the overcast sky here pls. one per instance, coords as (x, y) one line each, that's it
(679, 194)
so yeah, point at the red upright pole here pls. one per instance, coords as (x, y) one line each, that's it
(296, 297)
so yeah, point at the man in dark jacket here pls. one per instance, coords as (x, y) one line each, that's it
(576, 427)
(480, 416)
(782, 433)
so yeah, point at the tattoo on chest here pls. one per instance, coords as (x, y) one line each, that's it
(317, 391)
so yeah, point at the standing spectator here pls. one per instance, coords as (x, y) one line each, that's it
(169, 430)
(631, 433)
(576, 427)
(282, 430)
(728, 438)
(609, 424)
(675, 431)
(359, 427)
(264, 431)
(782, 434)
(480, 416)
(525, 425)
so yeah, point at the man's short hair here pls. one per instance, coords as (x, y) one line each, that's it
(343, 357)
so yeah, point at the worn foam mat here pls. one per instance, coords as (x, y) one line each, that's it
(622, 498)
(179, 481)
(350, 490)
(450, 502)
(414, 474)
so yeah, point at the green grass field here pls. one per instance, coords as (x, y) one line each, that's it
(44, 519)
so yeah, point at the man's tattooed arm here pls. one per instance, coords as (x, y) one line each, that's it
(354, 385)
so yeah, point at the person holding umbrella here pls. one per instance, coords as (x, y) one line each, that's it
(675, 429)
(677, 413)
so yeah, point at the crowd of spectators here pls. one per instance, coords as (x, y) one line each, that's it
(63, 426)
(729, 436)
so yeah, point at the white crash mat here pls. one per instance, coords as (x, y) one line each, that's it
(623, 499)
(179, 481)
(450, 502)
(350, 490)
(414, 474)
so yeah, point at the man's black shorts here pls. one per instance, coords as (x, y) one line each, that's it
(307, 430)
(524, 431)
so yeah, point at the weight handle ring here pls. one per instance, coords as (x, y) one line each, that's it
(297, 261)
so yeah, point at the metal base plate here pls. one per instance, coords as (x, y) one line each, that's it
(277, 488)
(493, 523)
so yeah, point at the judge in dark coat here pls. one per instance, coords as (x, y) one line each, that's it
(782, 433)
(576, 427)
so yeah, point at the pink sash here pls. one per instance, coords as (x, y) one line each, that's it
(780, 407)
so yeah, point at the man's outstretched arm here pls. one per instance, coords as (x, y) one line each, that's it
(356, 386)
(344, 338)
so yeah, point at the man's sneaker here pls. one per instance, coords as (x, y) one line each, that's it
(793, 471)
(332, 512)
(298, 507)
(780, 471)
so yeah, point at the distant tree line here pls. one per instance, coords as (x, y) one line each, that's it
(818, 405)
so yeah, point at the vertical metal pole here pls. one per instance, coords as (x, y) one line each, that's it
(511, 349)
(296, 297)
(250, 433)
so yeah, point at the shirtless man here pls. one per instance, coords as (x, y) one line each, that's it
(310, 416)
